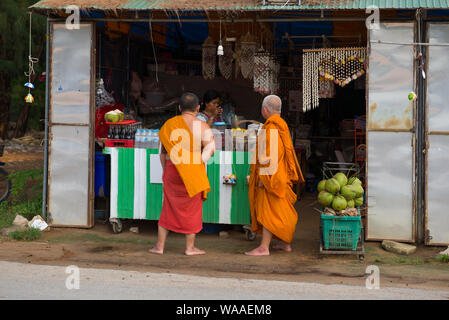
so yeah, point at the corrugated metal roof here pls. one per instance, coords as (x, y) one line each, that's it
(192, 5)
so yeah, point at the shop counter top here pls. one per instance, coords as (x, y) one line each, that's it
(136, 186)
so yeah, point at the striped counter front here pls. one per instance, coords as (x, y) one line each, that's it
(136, 186)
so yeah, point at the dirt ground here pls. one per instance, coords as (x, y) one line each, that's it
(99, 247)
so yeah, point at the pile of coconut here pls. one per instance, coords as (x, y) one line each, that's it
(340, 193)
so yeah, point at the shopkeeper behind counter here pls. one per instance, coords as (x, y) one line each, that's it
(210, 110)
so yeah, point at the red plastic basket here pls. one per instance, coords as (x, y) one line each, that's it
(121, 123)
(119, 143)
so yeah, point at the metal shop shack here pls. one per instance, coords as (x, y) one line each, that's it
(387, 114)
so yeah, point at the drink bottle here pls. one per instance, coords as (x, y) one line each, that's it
(156, 139)
(137, 139)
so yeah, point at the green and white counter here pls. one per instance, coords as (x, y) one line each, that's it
(136, 186)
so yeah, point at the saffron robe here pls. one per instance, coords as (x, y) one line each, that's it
(185, 179)
(272, 206)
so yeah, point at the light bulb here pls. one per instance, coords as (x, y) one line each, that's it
(220, 51)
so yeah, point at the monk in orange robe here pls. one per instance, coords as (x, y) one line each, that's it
(187, 145)
(273, 173)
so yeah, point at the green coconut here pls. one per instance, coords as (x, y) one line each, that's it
(107, 117)
(348, 192)
(322, 186)
(339, 203)
(341, 178)
(358, 202)
(351, 204)
(359, 190)
(325, 198)
(354, 180)
(121, 114)
(332, 186)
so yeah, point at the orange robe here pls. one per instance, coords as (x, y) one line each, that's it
(191, 168)
(272, 206)
(185, 182)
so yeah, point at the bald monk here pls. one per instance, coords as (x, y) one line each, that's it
(187, 144)
(270, 185)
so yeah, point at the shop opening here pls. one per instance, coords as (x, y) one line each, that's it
(144, 67)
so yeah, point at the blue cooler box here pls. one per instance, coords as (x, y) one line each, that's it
(101, 175)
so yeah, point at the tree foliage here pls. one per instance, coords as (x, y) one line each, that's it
(14, 46)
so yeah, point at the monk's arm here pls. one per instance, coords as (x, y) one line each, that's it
(163, 157)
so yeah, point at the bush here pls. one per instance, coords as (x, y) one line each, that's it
(27, 209)
(29, 234)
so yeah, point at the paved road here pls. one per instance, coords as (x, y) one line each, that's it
(27, 281)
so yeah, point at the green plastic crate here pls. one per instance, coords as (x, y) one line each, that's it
(341, 232)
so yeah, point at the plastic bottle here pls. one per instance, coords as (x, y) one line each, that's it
(138, 139)
(136, 142)
(156, 139)
(150, 139)
(144, 139)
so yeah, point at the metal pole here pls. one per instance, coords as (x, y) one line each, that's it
(47, 76)
(411, 43)
(420, 132)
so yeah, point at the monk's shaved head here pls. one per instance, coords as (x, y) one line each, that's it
(188, 102)
(273, 103)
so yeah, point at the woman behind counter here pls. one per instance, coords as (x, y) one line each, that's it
(210, 109)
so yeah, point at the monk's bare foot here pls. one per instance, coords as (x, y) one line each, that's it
(156, 250)
(194, 252)
(259, 251)
(283, 246)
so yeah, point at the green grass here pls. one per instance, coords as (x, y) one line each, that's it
(29, 234)
(6, 216)
(443, 258)
(28, 209)
(403, 260)
(26, 185)
(25, 198)
(400, 260)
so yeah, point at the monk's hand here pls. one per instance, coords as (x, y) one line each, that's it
(260, 184)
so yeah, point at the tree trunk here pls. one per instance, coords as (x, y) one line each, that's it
(4, 117)
(4, 108)
(21, 126)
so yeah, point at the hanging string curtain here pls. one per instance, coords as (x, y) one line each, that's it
(225, 61)
(340, 65)
(248, 49)
(261, 71)
(209, 58)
